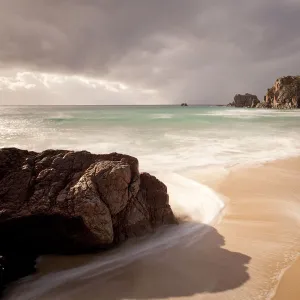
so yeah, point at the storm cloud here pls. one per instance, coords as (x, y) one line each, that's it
(159, 51)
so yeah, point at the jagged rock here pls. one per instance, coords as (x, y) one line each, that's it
(246, 100)
(284, 94)
(263, 105)
(61, 201)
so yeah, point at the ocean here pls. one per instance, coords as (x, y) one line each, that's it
(163, 138)
(174, 143)
(182, 146)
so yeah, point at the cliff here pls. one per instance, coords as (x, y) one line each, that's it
(284, 94)
(246, 100)
(61, 201)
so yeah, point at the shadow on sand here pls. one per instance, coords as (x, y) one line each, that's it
(176, 262)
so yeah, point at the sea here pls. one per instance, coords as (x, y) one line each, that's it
(182, 146)
(169, 139)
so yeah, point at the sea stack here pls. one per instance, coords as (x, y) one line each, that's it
(247, 100)
(60, 201)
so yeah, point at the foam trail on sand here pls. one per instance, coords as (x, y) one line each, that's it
(191, 199)
(188, 198)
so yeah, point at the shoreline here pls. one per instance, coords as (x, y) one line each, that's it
(265, 180)
(288, 287)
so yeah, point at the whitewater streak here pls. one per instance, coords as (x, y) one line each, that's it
(189, 200)
(192, 200)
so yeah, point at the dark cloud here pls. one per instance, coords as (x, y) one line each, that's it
(192, 50)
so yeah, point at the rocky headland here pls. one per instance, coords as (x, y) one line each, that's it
(284, 94)
(67, 202)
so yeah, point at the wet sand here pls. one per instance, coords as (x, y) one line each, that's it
(241, 257)
(289, 287)
(265, 207)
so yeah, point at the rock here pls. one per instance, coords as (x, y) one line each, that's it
(246, 100)
(284, 94)
(263, 105)
(61, 201)
(184, 104)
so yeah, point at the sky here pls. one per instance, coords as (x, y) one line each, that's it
(117, 52)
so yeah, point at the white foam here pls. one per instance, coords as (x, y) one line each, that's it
(250, 113)
(61, 116)
(162, 116)
(192, 199)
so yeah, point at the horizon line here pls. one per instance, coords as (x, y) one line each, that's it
(111, 104)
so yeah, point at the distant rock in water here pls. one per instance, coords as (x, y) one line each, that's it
(284, 94)
(246, 100)
(61, 201)
(184, 104)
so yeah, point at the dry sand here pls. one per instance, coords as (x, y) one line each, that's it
(242, 257)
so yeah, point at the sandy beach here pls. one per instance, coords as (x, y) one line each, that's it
(288, 287)
(243, 256)
(262, 220)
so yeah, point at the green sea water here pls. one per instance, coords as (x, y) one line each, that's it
(162, 137)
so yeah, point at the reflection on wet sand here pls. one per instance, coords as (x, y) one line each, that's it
(241, 258)
(180, 269)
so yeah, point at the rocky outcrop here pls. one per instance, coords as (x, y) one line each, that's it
(184, 104)
(61, 201)
(284, 94)
(246, 100)
(262, 105)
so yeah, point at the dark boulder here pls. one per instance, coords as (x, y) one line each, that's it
(246, 100)
(61, 201)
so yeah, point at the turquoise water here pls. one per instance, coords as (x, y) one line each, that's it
(168, 138)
